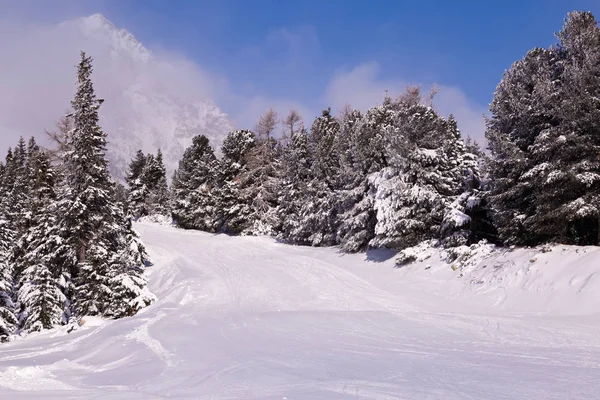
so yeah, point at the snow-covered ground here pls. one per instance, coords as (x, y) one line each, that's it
(250, 318)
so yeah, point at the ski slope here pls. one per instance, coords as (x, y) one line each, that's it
(250, 318)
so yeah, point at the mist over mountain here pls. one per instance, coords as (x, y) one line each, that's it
(151, 100)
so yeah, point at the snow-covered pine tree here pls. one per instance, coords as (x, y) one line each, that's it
(129, 286)
(8, 179)
(310, 217)
(468, 219)
(364, 157)
(42, 285)
(25, 191)
(8, 319)
(17, 195)
(543, 135)
(423, 177)
(137, 189)
(121, 197)
(95, 226)
(146, 179)
(322, 140)
(357, 219)
(567, 199)
(155, 178)
(318, 206)
(521, 111)
(261, 180)
(295, 170)
(193, 203)
(232, 195)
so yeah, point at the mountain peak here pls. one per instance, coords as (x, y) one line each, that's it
(144, 109)
(99, 27)
(98, 20)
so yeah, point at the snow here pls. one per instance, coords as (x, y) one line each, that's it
(251, 318)
(90, 320)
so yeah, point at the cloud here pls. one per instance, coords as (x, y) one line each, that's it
(360, 87)
(36, 86)
(363, 87)
(469, 115)
(38, 83)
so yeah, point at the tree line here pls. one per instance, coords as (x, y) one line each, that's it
(399, 173)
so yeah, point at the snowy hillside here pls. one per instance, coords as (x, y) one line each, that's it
(250, 318)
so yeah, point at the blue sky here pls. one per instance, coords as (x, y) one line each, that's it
(460, 43)
(310, 53)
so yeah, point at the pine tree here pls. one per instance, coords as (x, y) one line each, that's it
(138, 190)
(315, 203)
(424, 175)
(129, 286)
(96, 227)
(193, 203)
(568, 199)
(27, 197)
(155, 178)
(261, 178)
(233, 196)
(520, 112)
(17, 195)
(468, 219)
(362, 157)
(43, 288)
(295, 170)
(8, 319)
(122, 197)
(543, 135)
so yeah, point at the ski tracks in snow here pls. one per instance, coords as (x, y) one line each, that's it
(250, 318)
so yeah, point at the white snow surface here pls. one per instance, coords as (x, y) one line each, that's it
(251, 318)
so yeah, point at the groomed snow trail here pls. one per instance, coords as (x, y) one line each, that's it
(250, 318)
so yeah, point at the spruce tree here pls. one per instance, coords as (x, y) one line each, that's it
(155, 179)
(521, 111)
(295, 170)
(129, 286)
(315, 203)
(193, 203)
(424, 175)
(543, 136)
(42, 293)
(232, 194)
(568, 199)
(138, 191)
(8, 319)
(468, 219)
(18, 195)
(27, 192)
(262, 182)
(363, 157)
(96, 227)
